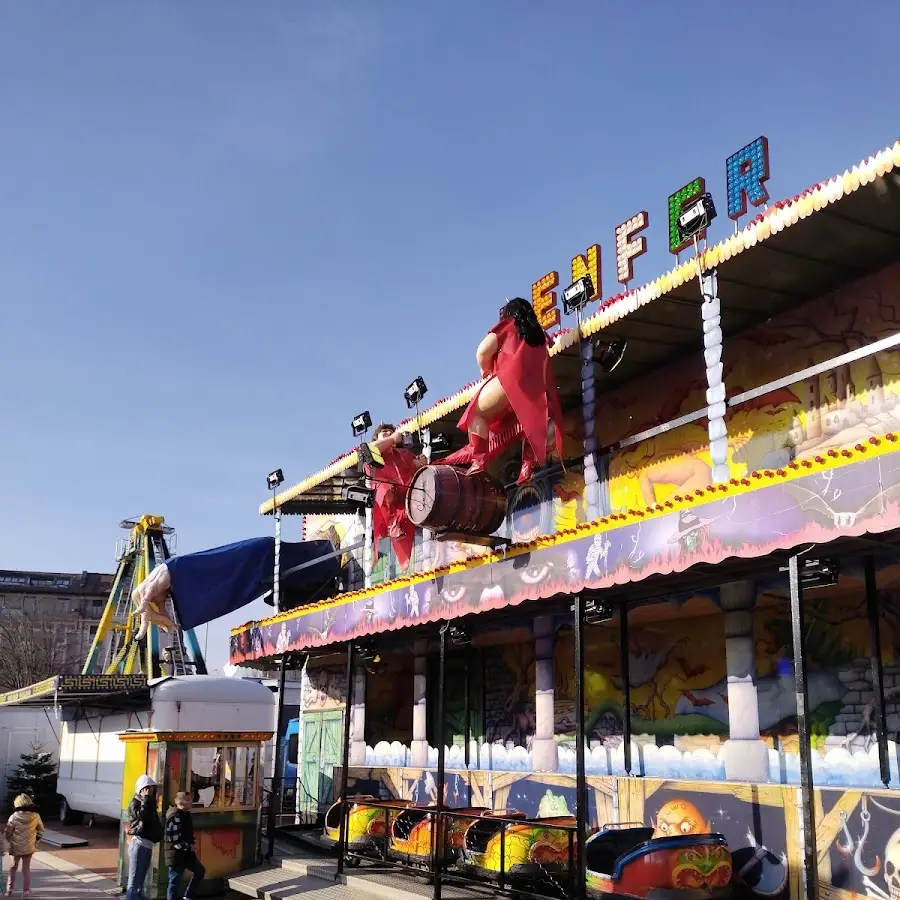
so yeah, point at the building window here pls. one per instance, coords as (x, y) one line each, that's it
(64, 583)
(63, 604)
(97, 604)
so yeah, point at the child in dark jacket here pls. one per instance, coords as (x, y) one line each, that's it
(180, 854)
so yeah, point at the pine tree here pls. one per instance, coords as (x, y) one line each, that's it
(35, 775)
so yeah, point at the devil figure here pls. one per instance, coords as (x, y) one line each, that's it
(391, 484)
(514, 359)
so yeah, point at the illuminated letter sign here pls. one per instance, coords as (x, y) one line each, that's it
(746, 173)
(588, 263)
(543, 299)
(677, 203)
(627, 249)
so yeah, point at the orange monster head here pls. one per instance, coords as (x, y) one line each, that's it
(679, 817)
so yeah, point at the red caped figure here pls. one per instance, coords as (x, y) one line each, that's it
(391, 482)
(514, 357)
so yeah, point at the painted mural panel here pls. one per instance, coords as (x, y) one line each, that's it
(343, 530)
(830, 411)
(857, 831)
(389, 701)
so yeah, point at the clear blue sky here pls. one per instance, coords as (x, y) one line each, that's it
(226, 227)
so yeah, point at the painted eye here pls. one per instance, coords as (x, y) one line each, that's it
(536, 574)
(685, 827)
(889, 869)
(665, 828)
(455, 594)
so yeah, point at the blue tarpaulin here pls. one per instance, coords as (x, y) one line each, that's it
(215, 582)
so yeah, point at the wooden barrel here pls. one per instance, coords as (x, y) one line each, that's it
(442, 498)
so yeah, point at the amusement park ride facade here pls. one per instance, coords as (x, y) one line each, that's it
(686, 622)
(144, 704)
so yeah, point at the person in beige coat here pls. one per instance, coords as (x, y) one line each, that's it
(24, 831)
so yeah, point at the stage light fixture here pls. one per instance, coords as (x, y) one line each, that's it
(368, 659)
(274, 479)
(459, 637)
(577, 294)
(609, 354)
(357, 493)
(817, 573)
(370, 455)
(415, 392)
(696, 217)
(361, 423)
(595, 613)
(440, 443)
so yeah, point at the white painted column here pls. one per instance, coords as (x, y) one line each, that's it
(543, 749)
(746, 755)
(358, 719)
(419, 747)
(715, 395)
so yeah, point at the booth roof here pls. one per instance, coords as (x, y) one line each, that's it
(833, 233)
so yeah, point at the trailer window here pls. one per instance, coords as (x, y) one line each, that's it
(293, 748)
(224, 777)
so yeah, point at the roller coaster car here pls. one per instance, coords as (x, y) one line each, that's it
(628, 862)
(413, 828)
(532, 848)
(367, 825)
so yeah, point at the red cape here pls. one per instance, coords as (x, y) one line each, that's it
(526, 375)
(389, 507)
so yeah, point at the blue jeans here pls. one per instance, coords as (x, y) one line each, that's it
(175, 872)
(139, 859)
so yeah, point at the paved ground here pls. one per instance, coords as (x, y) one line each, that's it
(54, 879)
(101, 854)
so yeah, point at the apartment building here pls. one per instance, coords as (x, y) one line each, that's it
(69, 604)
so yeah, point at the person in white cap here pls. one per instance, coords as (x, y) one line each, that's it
(146, 830)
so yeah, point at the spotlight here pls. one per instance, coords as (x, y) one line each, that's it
(609, 354)
(577, 294)
(595, 613)
(368, 659)
(355, 493)
(695, 217)
(458, 637)
(440, 443)
(415, 392)
(370, 455)
(361, 423)
(817, 573)
(274, 479)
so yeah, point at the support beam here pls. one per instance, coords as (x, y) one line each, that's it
(437, 832)
(807, 813)
(345, 758)
(877, 669)
(467, 716)
(581, 794)
(544, 753)
(276, 573)
(278, 771)
(625, 675)
(746, 754)
(419, 747)
(712, 357)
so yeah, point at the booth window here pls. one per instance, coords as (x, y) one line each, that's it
(224, 777)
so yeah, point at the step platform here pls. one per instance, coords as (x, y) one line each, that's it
(62, 841)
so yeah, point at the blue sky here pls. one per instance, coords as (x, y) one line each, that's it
(226, 227)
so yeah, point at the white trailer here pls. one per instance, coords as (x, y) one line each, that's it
(92, 758)
(20, 730)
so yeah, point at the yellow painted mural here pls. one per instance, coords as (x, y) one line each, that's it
(827, 412)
